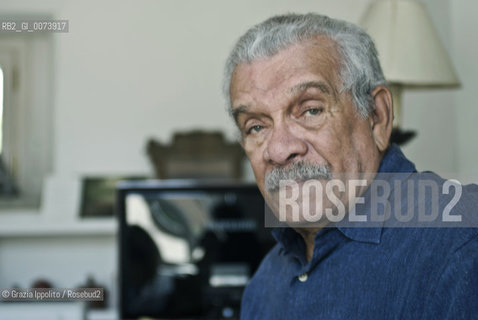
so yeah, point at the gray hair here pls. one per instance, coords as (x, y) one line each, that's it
(360, 68)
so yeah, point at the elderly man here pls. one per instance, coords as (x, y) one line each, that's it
(310, 100)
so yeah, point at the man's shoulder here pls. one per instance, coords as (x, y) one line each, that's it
(431, 247)
(442, 238)
(424, 199)
(453, 289)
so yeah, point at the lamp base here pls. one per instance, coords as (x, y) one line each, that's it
(402, 137)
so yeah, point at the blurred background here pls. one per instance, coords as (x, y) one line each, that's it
(85, 103)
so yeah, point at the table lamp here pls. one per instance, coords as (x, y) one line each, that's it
(410, 52)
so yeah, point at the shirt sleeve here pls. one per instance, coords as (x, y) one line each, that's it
(455, 294)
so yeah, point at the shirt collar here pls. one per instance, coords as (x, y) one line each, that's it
(394, 161)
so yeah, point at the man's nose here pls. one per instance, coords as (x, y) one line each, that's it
(284, 146)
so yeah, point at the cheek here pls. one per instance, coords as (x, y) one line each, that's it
(259, 173)
(328, 144)
(362, 137)
(256, 160)
(363, 146)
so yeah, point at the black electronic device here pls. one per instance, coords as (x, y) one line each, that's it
(187, 249)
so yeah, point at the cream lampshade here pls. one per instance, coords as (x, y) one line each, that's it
(410, 51)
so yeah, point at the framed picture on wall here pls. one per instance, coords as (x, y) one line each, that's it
(98, 195)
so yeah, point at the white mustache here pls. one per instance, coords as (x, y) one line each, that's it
(297, 171)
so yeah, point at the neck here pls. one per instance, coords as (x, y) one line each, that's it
(308, 234)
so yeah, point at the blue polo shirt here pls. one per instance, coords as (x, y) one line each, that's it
(369, 273)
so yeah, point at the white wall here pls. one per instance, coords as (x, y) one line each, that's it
(465, 53)
(130, 70)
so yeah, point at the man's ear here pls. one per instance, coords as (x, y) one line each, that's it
(382, 117)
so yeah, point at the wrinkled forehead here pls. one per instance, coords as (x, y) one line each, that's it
(314, 59)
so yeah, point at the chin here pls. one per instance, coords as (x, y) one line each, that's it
(301, 211)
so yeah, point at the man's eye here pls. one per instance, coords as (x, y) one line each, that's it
(313, 111)
(254, 129)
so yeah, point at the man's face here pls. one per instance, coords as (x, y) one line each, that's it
(289, 109)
